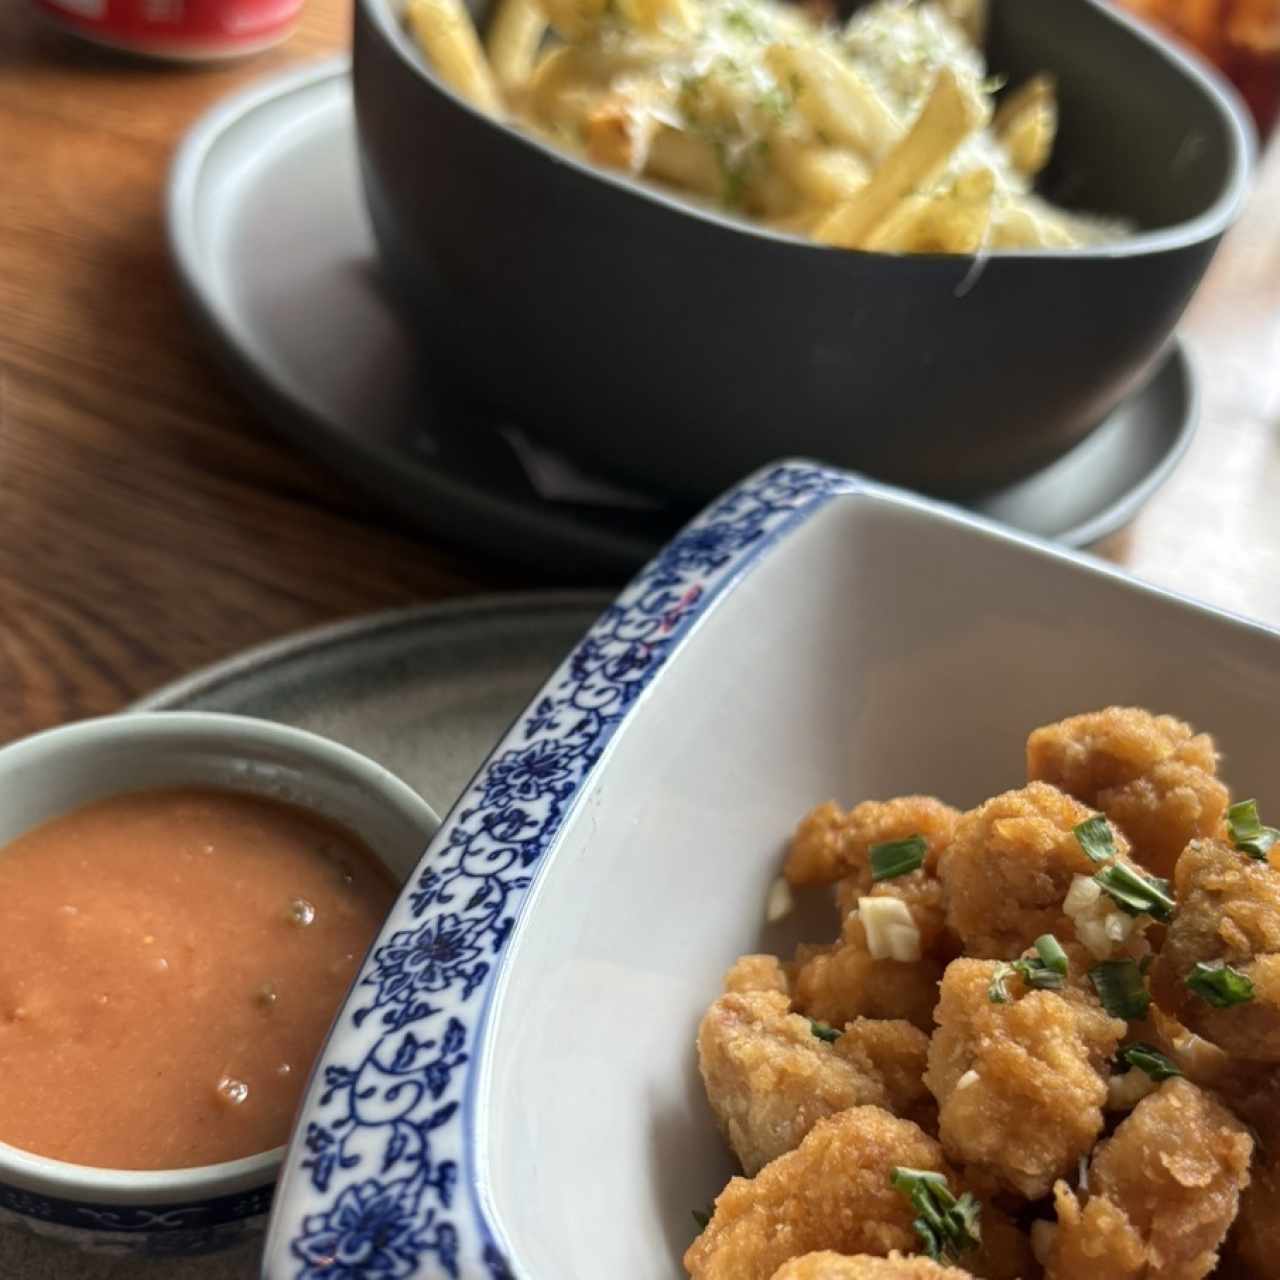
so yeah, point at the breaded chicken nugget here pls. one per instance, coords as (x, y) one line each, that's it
(831, 844)
(1154, 776)
(1255, 1239)
(839, 1266)
(1228, 914)
(1010, 867)
(757, 973)
(1021, 1085)
(894, 1052)
(839, 983)
(770, 1079)
(922, 894)
(832, 1192)
(1163, 1191)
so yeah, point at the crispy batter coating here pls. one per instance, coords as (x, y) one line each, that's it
(1162, 1192)
(1009, 868)
(1154, 776)
(831, 1192)
(922, 892)
(757, 973)
(839, 983)
(1228, 910)
(770, 1079)
(1021, 1086)
(838, 1266)
(894, 1052)
(830, 844)
(1255, 1239)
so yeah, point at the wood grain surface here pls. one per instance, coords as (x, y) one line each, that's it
(150, 523)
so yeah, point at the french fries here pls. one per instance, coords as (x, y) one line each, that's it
(761, 107)
(955, 220)
(838, 101)
(448, 37)
(970, 16)
(515, 34)
(1026, 123)
(951, 113)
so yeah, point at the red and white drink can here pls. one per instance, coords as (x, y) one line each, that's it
(185, 29)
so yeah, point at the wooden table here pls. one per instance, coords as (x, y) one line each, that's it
(150, 522)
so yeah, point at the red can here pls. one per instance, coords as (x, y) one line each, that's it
(184, 29)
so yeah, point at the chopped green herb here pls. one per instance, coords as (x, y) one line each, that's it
(1094, 835)
(1221, 985)
(1247, 832)
(743, 22)
(1135, 892)
(947, 1226)
(1051, 954)
(823, 1031)
(1151, 1060)
(897, 857)
(775, 103)
(1121, 989)
(702, 1217)
(1045, 971)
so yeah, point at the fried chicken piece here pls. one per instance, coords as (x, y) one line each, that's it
(840, 983)
(1021, 1086)
(1228, 912)
(838, 1266)
(1154, 776)
(830, 844)
(770, 1079)
(1010, 867)
(896, 1053)
(1254, 1242)
(1162, 1192)
(831, 1192)
(757, 973)
(921, 891)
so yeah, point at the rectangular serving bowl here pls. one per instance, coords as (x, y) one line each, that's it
(511, 1089)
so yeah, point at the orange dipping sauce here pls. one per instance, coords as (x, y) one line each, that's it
(169, 964)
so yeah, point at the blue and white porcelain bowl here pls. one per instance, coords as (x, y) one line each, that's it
(182, 1211)
(511, 1089)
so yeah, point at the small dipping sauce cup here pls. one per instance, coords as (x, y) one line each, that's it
(186, 1210)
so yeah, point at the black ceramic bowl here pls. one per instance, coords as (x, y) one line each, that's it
(674, 348)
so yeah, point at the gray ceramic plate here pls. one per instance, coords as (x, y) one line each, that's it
(270, 235)
(426, 692)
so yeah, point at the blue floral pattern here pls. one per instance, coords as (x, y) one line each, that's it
(387, 1139)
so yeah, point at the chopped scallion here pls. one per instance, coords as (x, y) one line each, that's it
(897, 857)
(1149, 1059)
(1220, 985)
(1121, 989)
(1247, 832)
(823, 1031)
(1051, 953)
(1135, 892)
(947, 1226)
(1094, 835)
(1045, 971)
